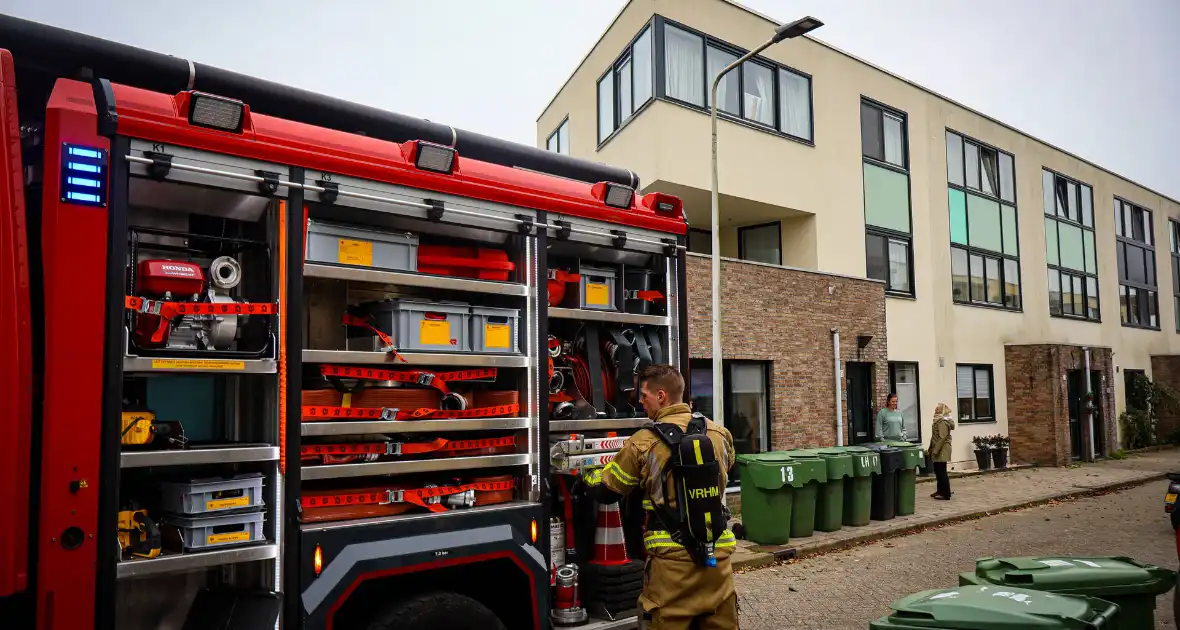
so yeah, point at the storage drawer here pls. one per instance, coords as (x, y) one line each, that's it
(209, 532)
(495, 330)
(214, 495)
(337, 244)
(416, 326)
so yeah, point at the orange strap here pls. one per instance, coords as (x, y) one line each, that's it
(172, 310)
(405, 448)
(313, 413)
(386, 340)
(646, 296)
(428, 260)
(417, 496)
(437, 380)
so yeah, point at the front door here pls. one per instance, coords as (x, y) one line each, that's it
(860, 401)
(1096, 420)
(1076, 394)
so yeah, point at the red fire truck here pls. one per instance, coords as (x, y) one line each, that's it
(272, 357)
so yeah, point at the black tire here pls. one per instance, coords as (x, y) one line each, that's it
(606, 590)
(437, 611)
(603, 574)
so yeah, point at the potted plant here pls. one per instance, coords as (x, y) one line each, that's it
(983, 452)
(999, 444)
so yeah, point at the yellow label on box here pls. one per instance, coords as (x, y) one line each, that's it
(497, 335)
(597, 294)
(197, 364)
(214, 539)
(434, 333)
(223, 504)
(352, 252)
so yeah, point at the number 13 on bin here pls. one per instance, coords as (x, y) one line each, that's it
(788, 474)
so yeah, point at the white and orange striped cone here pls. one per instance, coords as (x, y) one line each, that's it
(609, 547)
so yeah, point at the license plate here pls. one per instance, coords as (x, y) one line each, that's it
(1170, 497)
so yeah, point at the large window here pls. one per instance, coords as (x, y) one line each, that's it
(977, 395)
(747, 400)
(1174, 237)
(559, 140)
(903, 381)
(1135, 251)
(626, 86)
(888, 240)
(700, 241)
(1069, 247)
(761, 92)
(985, 248)
(761, 243)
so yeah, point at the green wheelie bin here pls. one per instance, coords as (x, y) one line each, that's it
(807, 474)
(988, 608)
(913, 458)
(766, 497)
(829, 505)
(1123, 581)
(858, 489)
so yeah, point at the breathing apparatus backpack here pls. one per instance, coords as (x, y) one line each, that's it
(700, 517)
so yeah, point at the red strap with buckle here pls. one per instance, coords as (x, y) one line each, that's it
(172, 310)
(561, 275)
(314, 413)
(360, 322)
(437, 380)
(405, 448)
(416, 496)
(646, 296)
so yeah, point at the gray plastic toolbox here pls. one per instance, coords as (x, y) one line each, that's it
(596, 289)
(416, 326)
(197, 533)
(495, 330)
(336, 244)
(214, 495)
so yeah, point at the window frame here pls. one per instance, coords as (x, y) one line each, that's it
(1121, 206)
(778, 226)
(563, 125)
(1174, 247)
(971, 250)
(738, 76)
(873, 231)
(991, 381)
(707, 234)
(627, 56)
(727, 389)
(1062, 269)
(917, 386)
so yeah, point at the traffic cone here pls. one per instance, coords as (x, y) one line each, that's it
(609, 547)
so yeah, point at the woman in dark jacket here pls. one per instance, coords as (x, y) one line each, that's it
(940, 450)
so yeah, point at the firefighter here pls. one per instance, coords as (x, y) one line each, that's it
(688, 579)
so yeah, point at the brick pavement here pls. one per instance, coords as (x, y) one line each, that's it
(847, 589)
(977, 495)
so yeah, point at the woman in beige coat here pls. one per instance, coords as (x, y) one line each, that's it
(940, 450)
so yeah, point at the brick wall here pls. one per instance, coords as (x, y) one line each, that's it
(1038, 402)
(785, 316)
(1165, 370)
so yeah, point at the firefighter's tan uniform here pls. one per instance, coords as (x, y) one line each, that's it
(676, 591)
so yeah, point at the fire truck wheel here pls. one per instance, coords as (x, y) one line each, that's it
(437, 611)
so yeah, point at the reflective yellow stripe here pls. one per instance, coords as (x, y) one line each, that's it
(663, 540)
(726, 540)
(622, 475)
(648, 505)
(696, 446)
(593, 477)
(708, 527)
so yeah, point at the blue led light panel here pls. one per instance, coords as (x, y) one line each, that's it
(83, 175)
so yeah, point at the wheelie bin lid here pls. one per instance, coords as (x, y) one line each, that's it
(771, 471)
(988, 607)
(1097, 576)
(912, 454)
(839, 462)
(865, 461)
(892, 458)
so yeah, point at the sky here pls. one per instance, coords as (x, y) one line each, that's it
(1093, 77)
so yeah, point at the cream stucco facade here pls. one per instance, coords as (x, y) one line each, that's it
(815, 190)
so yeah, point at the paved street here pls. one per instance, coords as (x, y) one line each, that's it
(847, 589)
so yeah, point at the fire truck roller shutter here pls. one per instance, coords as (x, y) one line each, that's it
(64, 53)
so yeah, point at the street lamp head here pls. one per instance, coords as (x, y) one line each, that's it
(799, 27)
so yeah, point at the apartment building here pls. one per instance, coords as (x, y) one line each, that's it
(869, 222)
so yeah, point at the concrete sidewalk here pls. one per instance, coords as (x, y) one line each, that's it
(976, 496)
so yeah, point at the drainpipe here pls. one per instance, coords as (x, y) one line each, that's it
(1089, 415)
(839, 392)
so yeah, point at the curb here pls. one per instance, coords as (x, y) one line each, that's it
(978, 473)
(761, 559)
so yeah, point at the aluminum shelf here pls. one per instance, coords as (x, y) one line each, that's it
(180, 563)
(413, 516)
(411, 426)
(372, 469)
(199, 456)
(416, 358)
(409, 279)
(597, 424)
(132, 364)
(609, 316)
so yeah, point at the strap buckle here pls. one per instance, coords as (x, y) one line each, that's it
(426, 379)
(393, 448)
(394, 496)
(389, 414)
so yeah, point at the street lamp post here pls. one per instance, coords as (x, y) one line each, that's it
(786, 31)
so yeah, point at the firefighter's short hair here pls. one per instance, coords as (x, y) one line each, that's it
(665, 377)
